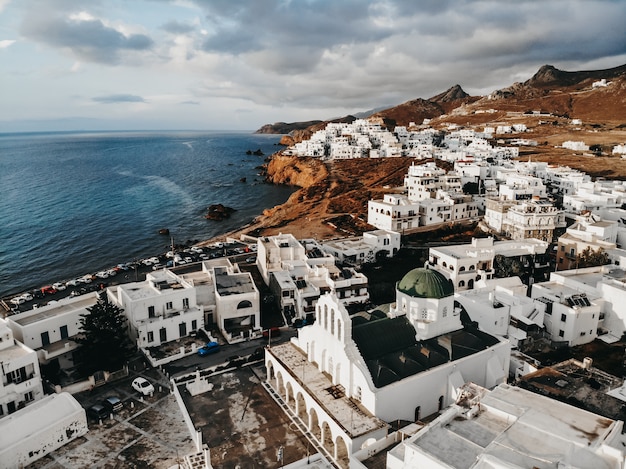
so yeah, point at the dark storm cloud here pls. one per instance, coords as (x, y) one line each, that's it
(89, 39)
(118, 98)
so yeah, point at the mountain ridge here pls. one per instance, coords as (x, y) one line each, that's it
(549, 90)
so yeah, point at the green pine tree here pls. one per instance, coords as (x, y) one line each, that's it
(105, 344)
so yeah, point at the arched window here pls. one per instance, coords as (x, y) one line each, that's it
(444, 264)
(244, 304)
(462, 283)
(471, 267)
(332, 322)
(462, 268)
(357, 393)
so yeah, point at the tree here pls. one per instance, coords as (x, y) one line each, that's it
(591, 258)
(507, 267)
(105, 344)
(471, 188)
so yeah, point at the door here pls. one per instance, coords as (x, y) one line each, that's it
(163, 335)
(182, 329)
(45, 339)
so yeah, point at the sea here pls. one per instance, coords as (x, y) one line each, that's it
(75, 203)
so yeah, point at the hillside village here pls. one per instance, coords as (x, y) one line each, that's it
(448, 374)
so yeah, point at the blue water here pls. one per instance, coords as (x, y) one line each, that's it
(75, 203)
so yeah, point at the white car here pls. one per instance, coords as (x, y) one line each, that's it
(18, 300)
(59, 286)
(143, 386)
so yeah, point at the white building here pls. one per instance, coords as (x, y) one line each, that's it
(576, 146)
(511, 428)
(522, 220)
(502, 308)
(344, 376)
(356, 251)
(572, 314)
(595, 196)
(468, 264)
(433, 196)
(39, 429)
(299, 272)
(160, 309)
(51, 329)
(394, 213)
(464, 264)
(20, 378)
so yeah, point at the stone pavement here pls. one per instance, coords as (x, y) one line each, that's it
(148, 433)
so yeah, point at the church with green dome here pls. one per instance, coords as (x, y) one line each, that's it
(426, 298)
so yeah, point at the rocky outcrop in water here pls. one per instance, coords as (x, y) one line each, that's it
(218, 212)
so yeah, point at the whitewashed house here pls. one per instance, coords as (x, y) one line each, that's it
(358, 250)
(575, 145)
(160, 309)
(237, 301)
(50, 330)
(345, 376)
(20, 378)
(299, 272)
(572, 315)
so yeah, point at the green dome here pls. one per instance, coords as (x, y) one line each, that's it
(425, 283)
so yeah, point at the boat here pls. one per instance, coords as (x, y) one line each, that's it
(164, 231)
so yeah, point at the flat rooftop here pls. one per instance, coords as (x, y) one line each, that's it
(65, 306)
(515, 427)
(233, 284)
(36, 417)
(353, 418)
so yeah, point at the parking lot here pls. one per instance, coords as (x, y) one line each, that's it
(148, 431)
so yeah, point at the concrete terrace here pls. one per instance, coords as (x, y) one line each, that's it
(355, 419)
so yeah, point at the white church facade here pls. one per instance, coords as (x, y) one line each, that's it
(348, 377)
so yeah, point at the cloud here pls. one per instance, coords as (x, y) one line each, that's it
(353, 53)
(6, 43)
(177, 27)
(195, 103)
(88, 38)
(118, 98)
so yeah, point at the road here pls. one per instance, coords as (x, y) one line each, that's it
(193, 362)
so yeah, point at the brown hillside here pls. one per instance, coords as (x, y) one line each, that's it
(332, 199)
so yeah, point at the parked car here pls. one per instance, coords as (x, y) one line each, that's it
(27, 296)
(112, 404)
(97, 412)
(209, 348)
(60, 286)
(48, 290)
(143, 386)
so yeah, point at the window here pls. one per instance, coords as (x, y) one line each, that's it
(244, 304)
(357, 393)
(151, 311)
(28, 397)
(63, 331)
(45, 339)
(168, 305)
(561, 333)
(445, 311)
(194, 324)
(582, 334)
(564, 317)
(185, 303)
(150, 336)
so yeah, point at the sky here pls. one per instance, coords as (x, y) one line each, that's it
(240, 64)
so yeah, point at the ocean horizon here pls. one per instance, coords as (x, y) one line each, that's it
(78, 202)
